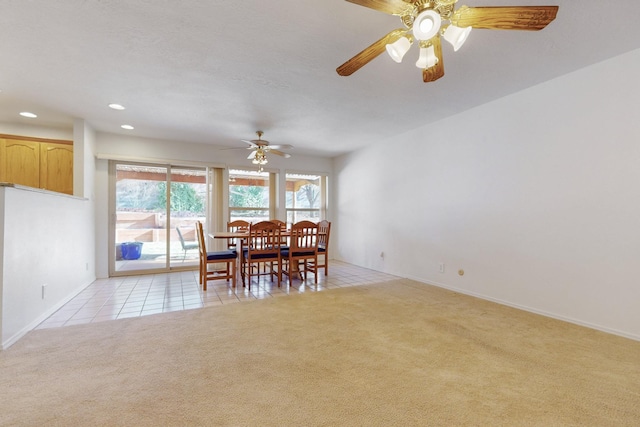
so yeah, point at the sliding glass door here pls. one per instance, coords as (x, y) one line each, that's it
(188, 201)
(154, 211)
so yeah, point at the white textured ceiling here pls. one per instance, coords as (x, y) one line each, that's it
(215, 71)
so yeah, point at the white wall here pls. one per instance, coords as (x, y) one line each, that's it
(47, 238)
(36, 131)
(536, 196)
(119, 147)
(46, 241)
(163, 150)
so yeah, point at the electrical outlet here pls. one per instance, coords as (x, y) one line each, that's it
(44, 287)
(442, 267)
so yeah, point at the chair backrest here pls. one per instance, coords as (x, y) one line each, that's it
(201, 245)
(236, 226)
(283, 228)
(181, 238)
(304, 237)
(281, 224)
(324, 229)
(263, 240)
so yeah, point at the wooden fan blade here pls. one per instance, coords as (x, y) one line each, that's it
(392, 7)
(505, 17)
(280, 147)
(432, 74)
(280, 153)
(369, 53)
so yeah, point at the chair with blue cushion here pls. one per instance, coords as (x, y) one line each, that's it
(324, 230)
(302, 250)
(262, 247)
(227, 257)
(284, 239)
(237, 226)
(281, 224)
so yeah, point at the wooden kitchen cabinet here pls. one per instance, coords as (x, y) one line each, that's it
(37, 163)
(56, 167)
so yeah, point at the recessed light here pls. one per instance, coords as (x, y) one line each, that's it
(28, 114)
(116, 106)
(127, 127)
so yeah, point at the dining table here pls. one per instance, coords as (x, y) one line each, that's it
(240, 236)
(228, 234)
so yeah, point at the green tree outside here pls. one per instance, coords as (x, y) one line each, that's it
(183, 198)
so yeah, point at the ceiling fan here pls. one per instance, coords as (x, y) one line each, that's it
(260, 149)
(426, 21)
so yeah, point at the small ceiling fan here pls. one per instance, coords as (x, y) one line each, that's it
(260, 149)
(261, 144)
(426, 21)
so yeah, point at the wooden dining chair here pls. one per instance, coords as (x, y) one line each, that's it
(281, 224)
(237, 226)
(227, 257)
(324, 231)
(283, 230)
(302, 250)
(262, 247)
(284, 239)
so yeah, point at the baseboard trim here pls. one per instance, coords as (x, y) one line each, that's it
(531, 309)
(44, 316)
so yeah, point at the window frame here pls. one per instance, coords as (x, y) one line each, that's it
(321, 210)
(270, 178)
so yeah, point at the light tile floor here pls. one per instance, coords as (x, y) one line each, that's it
(133, 296)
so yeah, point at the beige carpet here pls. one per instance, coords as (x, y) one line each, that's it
(394, 353)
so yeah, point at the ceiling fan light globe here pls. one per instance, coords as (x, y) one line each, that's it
(426, 25)
(456, 36)
(427, 58)
(398, 49)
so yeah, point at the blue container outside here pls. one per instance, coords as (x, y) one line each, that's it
(131, 250)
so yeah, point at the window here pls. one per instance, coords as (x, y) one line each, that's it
(306, 197)
(249, 196)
